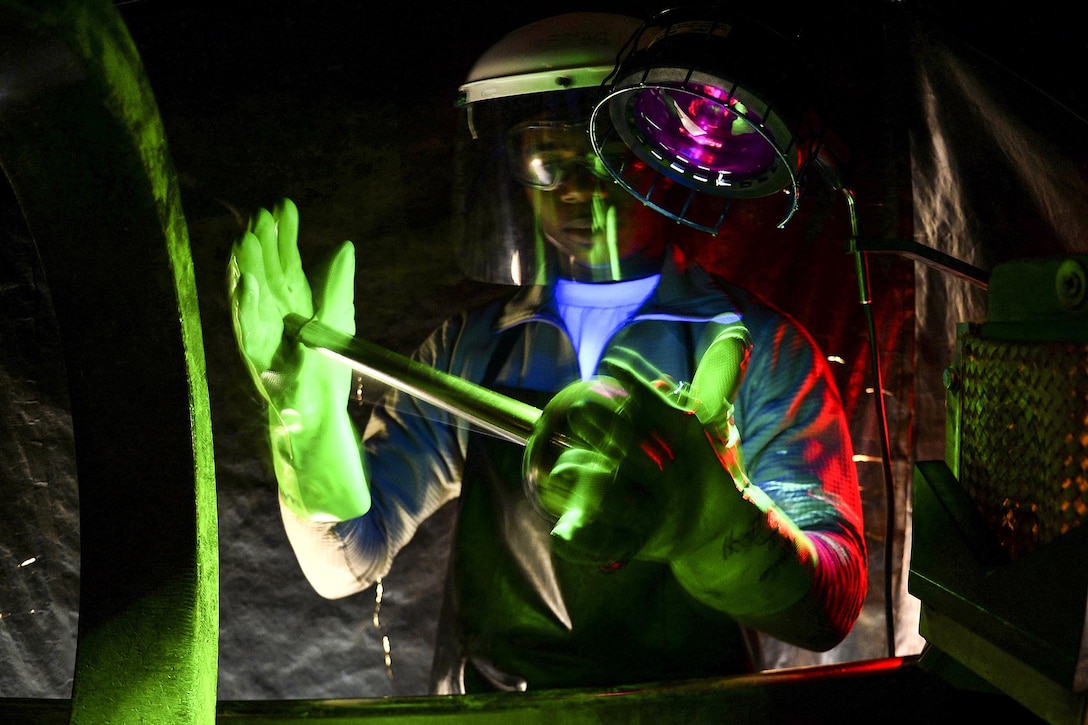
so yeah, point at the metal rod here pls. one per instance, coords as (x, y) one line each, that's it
(862, 268)
(496, 413)
(926, 255)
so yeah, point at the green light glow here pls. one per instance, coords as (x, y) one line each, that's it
(540, 249)
(90, 139)
(502, 415)
(740, 126)
(604, 221)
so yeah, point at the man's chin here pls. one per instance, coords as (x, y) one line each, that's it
(586, 239)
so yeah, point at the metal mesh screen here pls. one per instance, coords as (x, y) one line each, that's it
(1024, 438)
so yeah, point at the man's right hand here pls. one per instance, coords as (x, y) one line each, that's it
(315, 449)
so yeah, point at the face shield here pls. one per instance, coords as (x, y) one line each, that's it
(496, 235)
(533, 198)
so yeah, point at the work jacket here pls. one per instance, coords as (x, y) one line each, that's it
(516, 615)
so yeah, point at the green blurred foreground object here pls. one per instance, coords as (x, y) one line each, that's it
(83, 146)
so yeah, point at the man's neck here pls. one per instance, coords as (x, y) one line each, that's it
(625, 270)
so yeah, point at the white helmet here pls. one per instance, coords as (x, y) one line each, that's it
(576, 50)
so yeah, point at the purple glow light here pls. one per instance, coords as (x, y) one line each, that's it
(703, 129)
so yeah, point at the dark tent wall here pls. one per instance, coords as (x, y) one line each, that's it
(998, 161)
(962, 134)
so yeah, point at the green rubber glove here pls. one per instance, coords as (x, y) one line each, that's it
(315, 449)
(637, 453)
(652, 470)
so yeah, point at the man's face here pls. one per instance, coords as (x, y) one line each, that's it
(600, 231)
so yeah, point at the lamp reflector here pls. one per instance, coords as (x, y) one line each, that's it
(692, 100)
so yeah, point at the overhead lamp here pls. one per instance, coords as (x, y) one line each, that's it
(691, 101)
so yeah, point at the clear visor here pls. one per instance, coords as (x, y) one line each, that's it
(509, 145)
(534, 200)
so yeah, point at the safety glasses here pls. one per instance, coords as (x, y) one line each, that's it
(543, 155)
